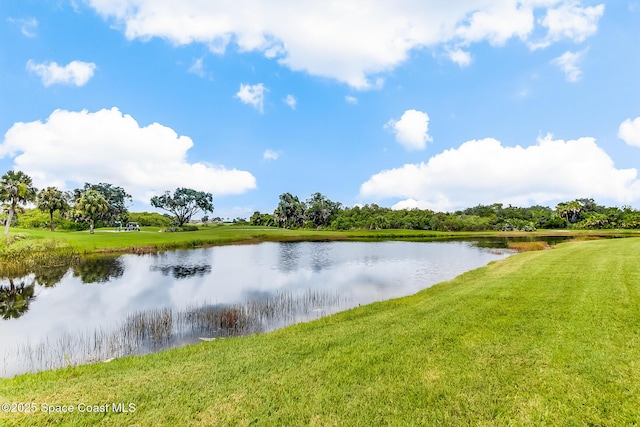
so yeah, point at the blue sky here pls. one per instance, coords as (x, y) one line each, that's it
(404, 104)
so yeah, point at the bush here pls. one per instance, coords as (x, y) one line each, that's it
(73, 226)
(188, 227)
(150, 219)
(33, 218)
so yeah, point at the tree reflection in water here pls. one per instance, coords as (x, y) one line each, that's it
(98, 269)
(49, 277)
(15, 300)
(182, 271)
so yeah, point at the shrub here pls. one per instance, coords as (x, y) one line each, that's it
(150, 219)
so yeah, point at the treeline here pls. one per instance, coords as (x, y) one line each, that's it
(94, 205)
(87, 207)
(105, 205)
(320, 212)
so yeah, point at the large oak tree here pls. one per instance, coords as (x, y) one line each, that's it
(184, 203)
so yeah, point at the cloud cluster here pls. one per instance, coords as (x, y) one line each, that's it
(568, 63)
(629, 131)
(411, 130)
(252, 95)
(571, 21)
(351, 100)
(485, 171)
(291, 101)
(352, 41)
(270, 155)
(74, 73)
(71, 148)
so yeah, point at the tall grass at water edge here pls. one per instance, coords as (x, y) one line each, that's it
(147, 331)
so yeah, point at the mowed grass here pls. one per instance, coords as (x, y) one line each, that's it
(541, 338)
(152, 239)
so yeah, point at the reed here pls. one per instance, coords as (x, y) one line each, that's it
(528, 246)
(17, 259)
(148, 331)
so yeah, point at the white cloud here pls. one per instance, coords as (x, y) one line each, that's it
(629, 131)
(76, 72)
(71, 148)
(485, 171)
(351, 100)
(353, 42)
(568, 63)
(197, 67)
(270, 155)
(411, 130)
(252, 95)
(27, 26)
(291, 101)
(460, 57)
(568, 20)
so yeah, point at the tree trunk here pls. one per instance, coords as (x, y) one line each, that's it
(91, 227)
(9, 218)
(51, 217)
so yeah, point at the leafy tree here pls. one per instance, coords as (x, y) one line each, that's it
(153, 219)
(16, 188)
(261, 219)
(576, 210)
(35, 218)
(116, 197)
(184, 203)
(320, 210)
(594, 220)
(629, 218)
(90, 206)
(589, 205)
(51, 199)
(290, 211)
(570, 211)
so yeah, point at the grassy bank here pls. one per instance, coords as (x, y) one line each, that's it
(151, 239)
(541, 338)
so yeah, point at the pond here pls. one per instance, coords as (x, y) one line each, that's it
(110, 306)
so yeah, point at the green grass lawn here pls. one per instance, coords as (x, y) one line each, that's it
(152, 239)
(542, 338)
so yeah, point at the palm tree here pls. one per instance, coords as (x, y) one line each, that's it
(90, 205)
(52, 200)
(16, 188)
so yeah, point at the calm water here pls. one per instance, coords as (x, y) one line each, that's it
(111, 306)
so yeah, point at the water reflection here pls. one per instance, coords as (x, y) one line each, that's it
(288, 256)
(183, 264)
(180, 296)
(153, 330)
(182, 271)
(49, 277)
(320, 259)
(15, 299)
(98, 269)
